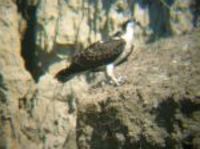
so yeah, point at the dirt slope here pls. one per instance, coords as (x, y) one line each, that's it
(157, 107)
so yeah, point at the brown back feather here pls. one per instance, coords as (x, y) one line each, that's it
(97, 54)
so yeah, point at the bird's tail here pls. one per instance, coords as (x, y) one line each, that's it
(64, 75)
(68, 73)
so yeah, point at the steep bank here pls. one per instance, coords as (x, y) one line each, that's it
(158, 106)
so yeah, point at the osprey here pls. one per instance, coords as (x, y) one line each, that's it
(102, 54)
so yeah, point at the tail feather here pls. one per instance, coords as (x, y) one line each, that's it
(64, 75)
(68, 73)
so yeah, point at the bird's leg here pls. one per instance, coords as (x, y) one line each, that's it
(110, 73)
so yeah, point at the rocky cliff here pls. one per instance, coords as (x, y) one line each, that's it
(157, 107)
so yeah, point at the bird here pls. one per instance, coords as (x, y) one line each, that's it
(105, 54)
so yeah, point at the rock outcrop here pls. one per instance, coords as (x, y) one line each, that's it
(16, 83)
(63, 26)
(157, 107)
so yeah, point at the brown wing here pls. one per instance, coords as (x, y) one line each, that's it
(99, 54)
(95, 55)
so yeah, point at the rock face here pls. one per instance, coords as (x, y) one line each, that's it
(63, 26)
(15, 82)
(157, 107)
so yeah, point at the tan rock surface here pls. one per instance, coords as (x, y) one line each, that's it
(158, 106)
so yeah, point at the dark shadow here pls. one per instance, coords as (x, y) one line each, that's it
(47, 59)
(143, 144)
(171, 115)
(166, 118)
(2, 84)
(188, 107)
(166, 114)
(159, 16)
(188, 142)
(37, 60)
(3, 90)
(195, 9)
(105, 127)
(28, 12)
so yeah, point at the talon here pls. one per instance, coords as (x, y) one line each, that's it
(122, 79)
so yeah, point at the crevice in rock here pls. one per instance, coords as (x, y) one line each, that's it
(3, 89)
(166, 114)
(28, 11)
(188, 107)
(176, 118)
(108, 131)
(160, 27)
(195, 9)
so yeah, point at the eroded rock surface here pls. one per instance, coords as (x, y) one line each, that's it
(158, 106)
(15, 82)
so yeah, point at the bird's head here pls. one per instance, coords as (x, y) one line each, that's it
(128, 29)
(129, 24)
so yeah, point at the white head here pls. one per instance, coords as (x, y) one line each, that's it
(130, 25)
(129, 31)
